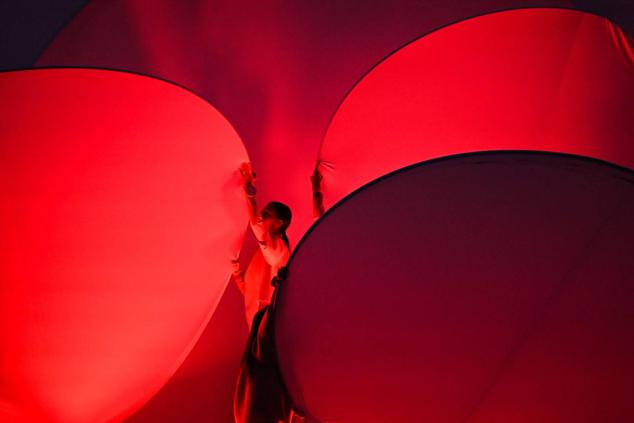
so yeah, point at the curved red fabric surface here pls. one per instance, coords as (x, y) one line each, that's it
(540, 79)
(494, 287)
(278, 72)
(120, 211)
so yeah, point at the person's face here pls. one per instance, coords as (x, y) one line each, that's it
(268, 219)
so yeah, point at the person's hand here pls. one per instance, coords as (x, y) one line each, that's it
(316, 178)
(237, 275)
(318, 198)
(235, 268)
(246, 173)
(248, 178)
(280, 277)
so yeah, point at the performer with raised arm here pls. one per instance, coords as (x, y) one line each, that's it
(269, 227)
(260, 395)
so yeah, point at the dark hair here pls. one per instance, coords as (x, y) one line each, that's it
(282, 212)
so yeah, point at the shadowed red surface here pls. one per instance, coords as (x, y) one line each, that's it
(120, 212)
(494, 287)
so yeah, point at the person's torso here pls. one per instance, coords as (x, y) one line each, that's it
(258, 276)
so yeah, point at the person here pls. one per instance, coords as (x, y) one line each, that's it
(269, 227)
(260, 395)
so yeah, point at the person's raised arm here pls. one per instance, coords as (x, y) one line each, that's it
(318, 196)
(248, 185)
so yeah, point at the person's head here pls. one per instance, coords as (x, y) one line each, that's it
(276, 218)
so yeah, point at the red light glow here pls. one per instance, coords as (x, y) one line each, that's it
(120, 212)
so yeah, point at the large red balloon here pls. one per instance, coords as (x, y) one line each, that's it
(496, 287)
(278, 73)
(120, 212)
(535, 79)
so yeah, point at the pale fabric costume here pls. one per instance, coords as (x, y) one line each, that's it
(272, 255)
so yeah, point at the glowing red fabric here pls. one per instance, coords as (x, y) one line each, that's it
(540, 79)
(278, 72)
(490, 288)
(120, 212)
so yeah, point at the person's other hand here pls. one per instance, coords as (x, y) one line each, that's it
(235, 268)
